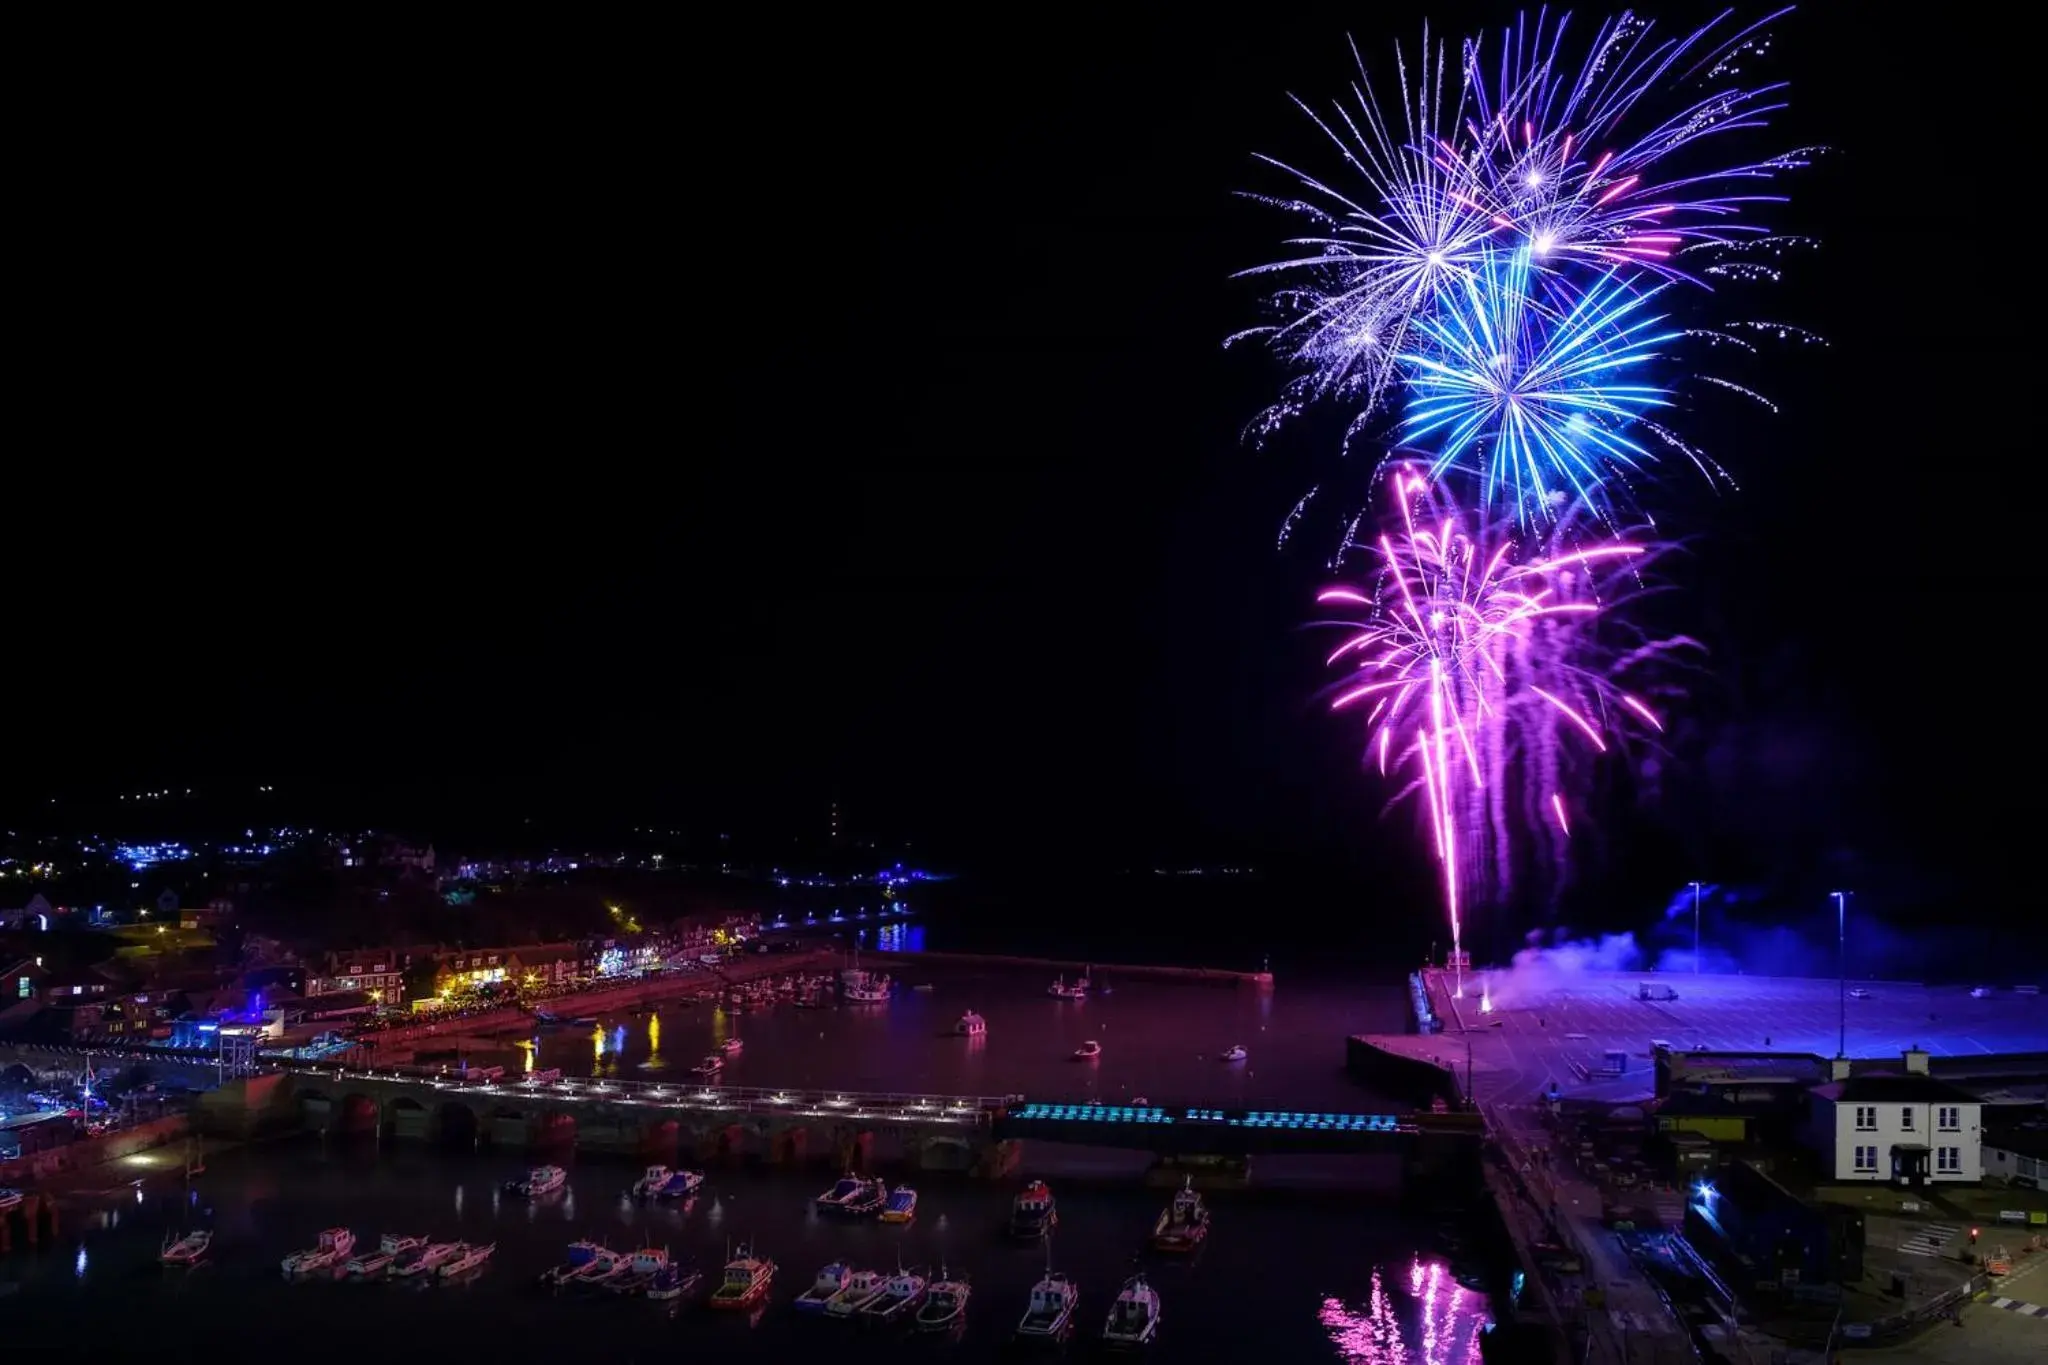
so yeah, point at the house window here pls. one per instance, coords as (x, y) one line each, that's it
(1906, 1118)
(21, 987)
(1866, 1118)
(1949, 1118)
(1866, 1158)
(1948, 1159)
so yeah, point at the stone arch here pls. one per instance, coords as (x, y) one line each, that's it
(316, 1108)
(945, 1152)
(457, 1124)
(359, 1113)
(408, 1117)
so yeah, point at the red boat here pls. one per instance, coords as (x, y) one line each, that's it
(746, 1281)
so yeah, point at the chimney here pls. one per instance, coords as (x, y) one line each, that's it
(1916, 1061)
(1838, 1068)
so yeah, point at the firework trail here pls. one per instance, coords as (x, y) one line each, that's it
(1487, 663)
(1499, 233)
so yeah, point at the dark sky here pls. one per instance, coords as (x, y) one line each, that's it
(840, 411)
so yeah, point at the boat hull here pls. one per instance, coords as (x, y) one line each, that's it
(734, 1302)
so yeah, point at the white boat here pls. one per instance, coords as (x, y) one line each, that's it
(660, 1182)
(945, 1304)
(332, 1250)
(1061, 990)
(865, 988)
(847, 1187)
(1034, 1213)
(641, 1268)
(1050, 1314)
(732, 1045)
(710, 1066)
(604, 1271)
(541, 1180)
(370, 1263)
(672, 1281)
(467, 1259)
(862, 1287)
(1234, 1053)
(1134, 1317)
(900, 1297)
(970, 1025)
(1088, 1051)
(830, 1281)
(190, 1249)
(902, 1206)
(1184, 1224)
(425, 1260)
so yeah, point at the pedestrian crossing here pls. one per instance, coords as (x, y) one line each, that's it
(2031, 1310)
(1930, 1239)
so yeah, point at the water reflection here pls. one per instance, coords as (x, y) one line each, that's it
(1448, 1319)
(78, 1264)
(653, 1062)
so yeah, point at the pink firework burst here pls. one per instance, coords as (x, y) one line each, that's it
(1491, 660)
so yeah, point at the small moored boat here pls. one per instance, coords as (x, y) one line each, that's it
(945, 1304)
(830, 1281)
(332, 1251)
(709, 1067)
(426, 1260)
(1134, 1317)
(732, 1045)
(660, 1182)
(862, 1288)
(1062, 991)
(745, 1282)
(1049, 1316)
(641, 1268)
(970, 1025)
(672, 1281)
(188, 1250)
(1033, 1213)
(470, 1256)
(538, 1182)
(834, 1199)
(902, 1205)
(1088, 1051)
(582, 1256)
(1184, 1223)
(900, 1297)
(867, 1201)
(1234, 1053)
(369, 1264)
(10, 1200)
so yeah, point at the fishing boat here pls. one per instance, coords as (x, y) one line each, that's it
(745, 1282)
(673, 1281)
(1062, 991)
(830, 1281)
(900, 1298)
(945, 1304)
(425, 1260)
(660, 1182)
(1033, 1213)
(331, 1251)
(865, 988)
(902, 1205)
(1234, 1053)
(834, 1199)
(862, 1287)
(188, 1250)
(1049, 1316)
(1184, 1223)
(470, 1256)
(582, 1256)
(641, 1268)
(606, 1270)
(970, 1025)
(1134, 1317)
(370, 1263)
(1088, 1051)
(868, 1200)
(538, 1182)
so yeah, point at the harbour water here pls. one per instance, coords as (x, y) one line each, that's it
(1283, 1277)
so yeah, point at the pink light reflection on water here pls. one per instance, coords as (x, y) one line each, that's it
(1443, 1315)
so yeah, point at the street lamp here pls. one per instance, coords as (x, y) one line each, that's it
(1842, 958)
(1695, 928)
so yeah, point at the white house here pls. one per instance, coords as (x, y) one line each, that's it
(1906, 1129)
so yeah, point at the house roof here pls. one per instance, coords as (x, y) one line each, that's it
(1894, 1089)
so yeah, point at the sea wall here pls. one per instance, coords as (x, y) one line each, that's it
(1208, 976)
(1412, 1080)
(93, 1151)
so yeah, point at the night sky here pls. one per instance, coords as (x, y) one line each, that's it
(842, 414)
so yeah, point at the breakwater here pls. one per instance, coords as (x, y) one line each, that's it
(1215, 976)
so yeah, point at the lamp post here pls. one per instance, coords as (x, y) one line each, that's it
(1842, 959)
(1695, 928)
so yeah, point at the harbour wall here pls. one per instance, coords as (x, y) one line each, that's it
(34, 1221)
(1412, 1080)
(1209, 976)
